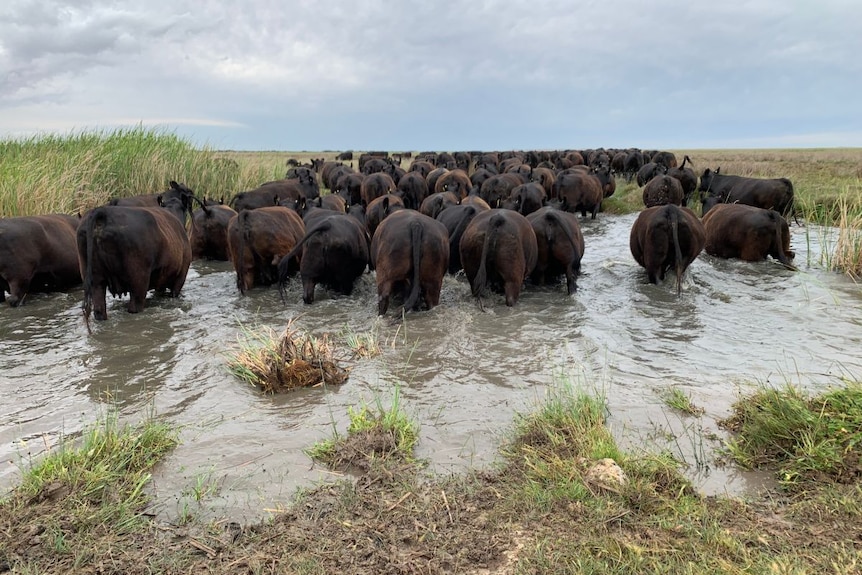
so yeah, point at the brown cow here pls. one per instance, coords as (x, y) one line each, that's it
(497, 189)
(130, 250)
(526, 198)
(456, 181)
(436, 203)
(661, 190)
(545, 178)
(376, 185)
(379, 209)
(37, 254)
(410, 252)
(560, 244)
(258, 239)
(664, 237)
(498, 249)
(748, 233)
(579, 191)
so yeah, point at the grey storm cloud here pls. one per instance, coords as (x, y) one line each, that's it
(473, 73)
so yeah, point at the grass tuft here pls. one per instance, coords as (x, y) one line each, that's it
(677, 399)
(375, 434)
(363, 344)
(807, 439)
(87, 487)
(276, 363)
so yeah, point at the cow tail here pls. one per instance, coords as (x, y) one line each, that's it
(458, 232)
(567, 231)
(416, 230)
(244, 232)
(677, 254)
(284, 268)
(790, 208)
(90, 231)
(481, 279)
(779, 240)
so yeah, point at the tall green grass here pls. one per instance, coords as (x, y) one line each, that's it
(75, 172)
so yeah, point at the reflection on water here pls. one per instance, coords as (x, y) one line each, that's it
(463, 373)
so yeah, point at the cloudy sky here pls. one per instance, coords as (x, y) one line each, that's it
(444, 75)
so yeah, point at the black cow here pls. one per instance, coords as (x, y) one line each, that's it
(410, 253)
(183, 195)
(456, 218)
(413, 189)
(664, 237)
(770, 194)
(267, 195)
(498, 250)
(648, 171)
(334, 252)
(177, 190)
(208, 233)
(560, 245)
(37, 254)
(349, 187)
(687, 179)
(130, 250)
(748, 233)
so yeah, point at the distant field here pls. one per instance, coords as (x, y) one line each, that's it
(821, 177)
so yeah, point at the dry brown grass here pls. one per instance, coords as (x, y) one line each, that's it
(276, 363)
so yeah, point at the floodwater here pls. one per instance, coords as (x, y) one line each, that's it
(463, 373)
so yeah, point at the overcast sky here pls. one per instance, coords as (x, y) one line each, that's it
(474, 74)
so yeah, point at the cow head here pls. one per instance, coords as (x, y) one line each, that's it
(706, 180)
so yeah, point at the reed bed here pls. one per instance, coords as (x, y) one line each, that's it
(75, 172)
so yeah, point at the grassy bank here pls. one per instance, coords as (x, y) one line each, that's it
(74, 504)
(72, 173)
(564, 498)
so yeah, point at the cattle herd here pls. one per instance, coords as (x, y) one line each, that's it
(502, 218)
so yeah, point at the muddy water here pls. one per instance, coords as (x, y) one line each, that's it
(462, 373)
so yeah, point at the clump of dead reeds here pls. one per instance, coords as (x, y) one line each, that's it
(281, 362)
